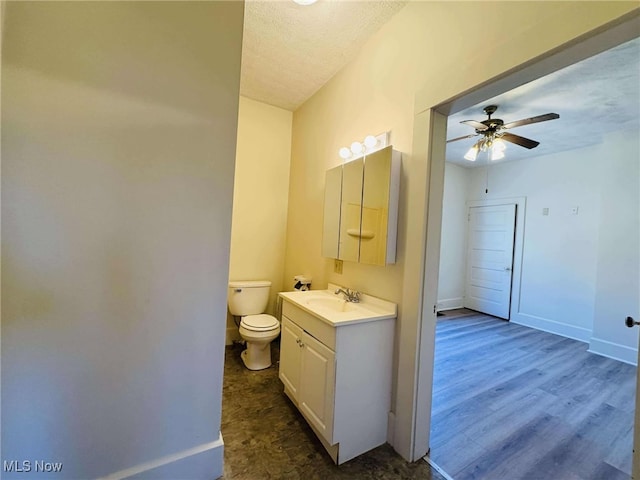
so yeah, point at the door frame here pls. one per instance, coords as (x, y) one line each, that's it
(518, 245)
(430, 122)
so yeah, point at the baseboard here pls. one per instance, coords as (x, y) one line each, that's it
(205, 461)
(552, 326)
(450, 303)
(614, 350)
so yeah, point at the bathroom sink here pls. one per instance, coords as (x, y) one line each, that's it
(330, 303)
(335, 310)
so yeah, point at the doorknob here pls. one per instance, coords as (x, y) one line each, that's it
(507, 269)
(630, 322)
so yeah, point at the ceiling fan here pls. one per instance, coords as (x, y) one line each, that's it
(493, 131)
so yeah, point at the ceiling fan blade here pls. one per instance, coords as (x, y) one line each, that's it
(518, 140)
(527, 121)
(475, 124)
(462, 138)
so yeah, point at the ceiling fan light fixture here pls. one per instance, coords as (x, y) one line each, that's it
(472, 154)
(493, 134)
(496, 154)
(499, 145)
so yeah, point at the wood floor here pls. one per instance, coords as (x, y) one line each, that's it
(510, 402)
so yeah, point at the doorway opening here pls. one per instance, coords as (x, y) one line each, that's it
(597, 45)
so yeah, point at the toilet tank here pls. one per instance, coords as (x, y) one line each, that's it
(248, 297)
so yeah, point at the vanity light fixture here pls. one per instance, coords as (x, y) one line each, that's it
(357, 148)
(370, 141)
(345, 153)
(370, 144)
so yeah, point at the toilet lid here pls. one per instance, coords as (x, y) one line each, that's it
(259, 322)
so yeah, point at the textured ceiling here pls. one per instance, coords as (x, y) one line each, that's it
(289, 51)
(598, 95)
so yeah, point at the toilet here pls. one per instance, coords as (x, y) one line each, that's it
(249, 299)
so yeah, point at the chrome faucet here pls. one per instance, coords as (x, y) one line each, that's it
(351, 295)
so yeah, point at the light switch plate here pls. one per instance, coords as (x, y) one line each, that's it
(337, 266)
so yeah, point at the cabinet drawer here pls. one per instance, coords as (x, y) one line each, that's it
(312, 325)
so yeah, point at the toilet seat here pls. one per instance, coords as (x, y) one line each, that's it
(259, 323)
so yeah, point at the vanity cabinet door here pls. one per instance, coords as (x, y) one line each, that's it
(291, 357)
(317, 385)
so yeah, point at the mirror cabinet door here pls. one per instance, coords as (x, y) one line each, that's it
(375, 207)
(351, 209)
(331, 219)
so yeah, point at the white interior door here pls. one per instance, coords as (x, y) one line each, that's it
(490, 241)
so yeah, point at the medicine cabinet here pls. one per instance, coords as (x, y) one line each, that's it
(361, 209)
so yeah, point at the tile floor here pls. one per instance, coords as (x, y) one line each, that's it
(266, 437)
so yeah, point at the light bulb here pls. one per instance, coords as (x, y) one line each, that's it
(357, 148)
(370, 141)
(472, 154)
(496, 154)
(344, 153)
(499, 145)
(305, 2)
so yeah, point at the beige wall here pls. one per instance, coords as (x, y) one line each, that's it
(118, 144)
(428, 53)
(260, 195)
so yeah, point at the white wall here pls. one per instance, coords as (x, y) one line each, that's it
(454, 235)
(579, 272)
(558, 279)
(118, 144)
(260, 198)
(618, 265)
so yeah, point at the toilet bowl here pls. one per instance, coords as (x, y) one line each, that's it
(258, 331)
(248, 300)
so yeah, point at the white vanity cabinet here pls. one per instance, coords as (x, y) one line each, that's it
(307, 369)
(339, 377)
